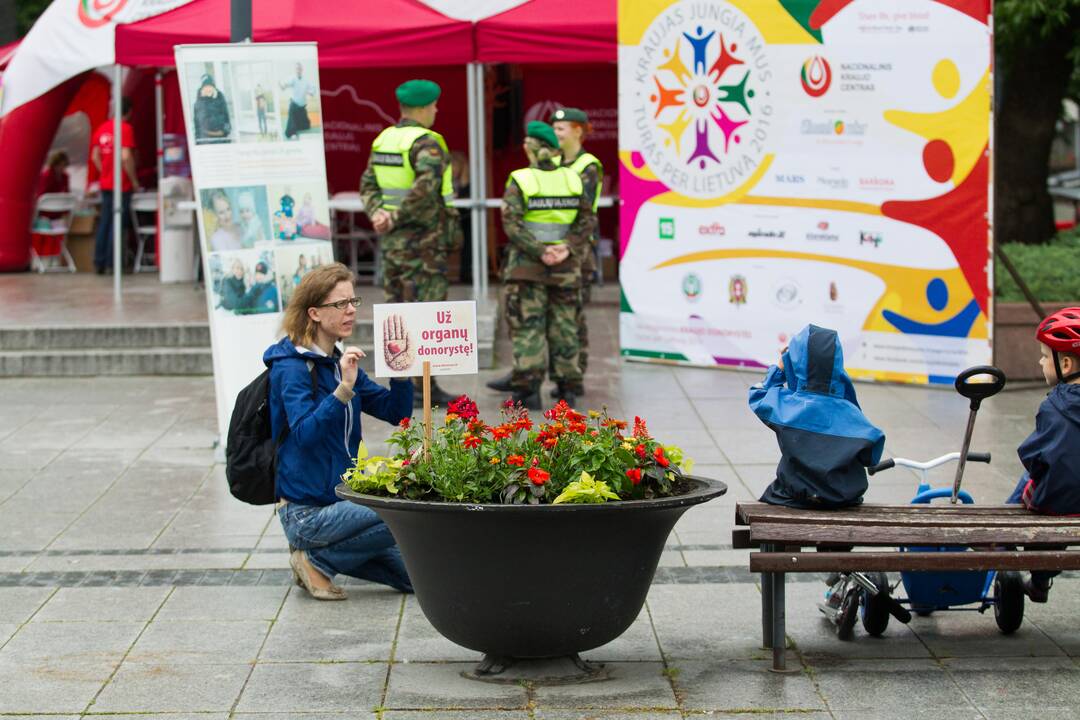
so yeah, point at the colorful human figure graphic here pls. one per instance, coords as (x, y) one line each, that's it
(700, 44)
(937, 296)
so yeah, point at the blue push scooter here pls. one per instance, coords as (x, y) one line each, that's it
(869, 596)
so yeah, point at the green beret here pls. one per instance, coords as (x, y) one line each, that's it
(417, 93)
(542, 132)
(570, 115)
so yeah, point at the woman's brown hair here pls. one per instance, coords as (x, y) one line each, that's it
(312, 290)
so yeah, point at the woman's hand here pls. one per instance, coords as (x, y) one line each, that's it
(350, 366)
(555, 254)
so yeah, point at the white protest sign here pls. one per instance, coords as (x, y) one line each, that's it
(442, 333)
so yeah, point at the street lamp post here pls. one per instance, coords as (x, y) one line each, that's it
(239, 20)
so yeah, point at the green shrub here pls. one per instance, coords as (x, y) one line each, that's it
(1052, 271)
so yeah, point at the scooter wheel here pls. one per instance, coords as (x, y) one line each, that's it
(875, 610)
(1008, 601)
(849, 611)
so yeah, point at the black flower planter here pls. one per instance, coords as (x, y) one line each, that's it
(515, 581)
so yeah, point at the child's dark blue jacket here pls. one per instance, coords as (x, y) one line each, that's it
(324, 433)
(826, 442)
(1051, 454)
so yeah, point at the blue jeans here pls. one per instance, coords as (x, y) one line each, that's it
(1016, 498)
(103, 244)
(347, 539)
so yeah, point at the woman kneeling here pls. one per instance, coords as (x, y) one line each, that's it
(317, 392)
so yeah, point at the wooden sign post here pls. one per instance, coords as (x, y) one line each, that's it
(427, 409)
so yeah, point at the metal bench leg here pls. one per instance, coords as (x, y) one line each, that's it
(779, 631)
(766, 606)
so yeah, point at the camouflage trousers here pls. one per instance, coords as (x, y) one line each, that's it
(583, 334)
(583, 330)
(543, 332)
(410, 275)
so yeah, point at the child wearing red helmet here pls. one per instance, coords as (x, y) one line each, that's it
(1051, 454)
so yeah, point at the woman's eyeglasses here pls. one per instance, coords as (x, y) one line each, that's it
(342, 304)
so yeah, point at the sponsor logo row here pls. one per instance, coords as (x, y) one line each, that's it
(785, 292)
(822, 232)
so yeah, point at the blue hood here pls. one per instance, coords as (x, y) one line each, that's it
(816, 362)
(825, 440)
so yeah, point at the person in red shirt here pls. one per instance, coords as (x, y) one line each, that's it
(101, 155)
(54, 178)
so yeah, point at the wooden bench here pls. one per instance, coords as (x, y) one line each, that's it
(782, 533)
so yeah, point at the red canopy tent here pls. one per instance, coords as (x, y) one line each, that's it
(372, 33)
(550, 31)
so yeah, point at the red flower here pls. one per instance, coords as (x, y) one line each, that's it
(538, 476)
(500, 431)
(640, 431)
(523, 423)
(463, 407)
(476, 425)
(617, 424)
(517, 460)
(404, 424)
(535, 461)
(547, 439)
(640, 450)
(658, 454)
(595, 433)
(471, 441)
(577, 427)
(559, 411)
(634, 474)
(404, 462)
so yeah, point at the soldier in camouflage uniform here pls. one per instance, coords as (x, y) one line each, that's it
(405, 190)
(549, 223)
(571, 126)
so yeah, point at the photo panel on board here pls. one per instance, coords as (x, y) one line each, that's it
(299, 105)
(300, 210)
(212, 111)
(235, 218)
(258, 101)
(244, 282)
(295, 260)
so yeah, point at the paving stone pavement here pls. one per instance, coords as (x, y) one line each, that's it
(132, 585)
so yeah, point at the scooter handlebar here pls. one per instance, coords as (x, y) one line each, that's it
(883, 465)
(891, 462)
(976, 392)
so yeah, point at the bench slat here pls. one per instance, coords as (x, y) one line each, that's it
(812, 534)
(913, 515)
(787, 562)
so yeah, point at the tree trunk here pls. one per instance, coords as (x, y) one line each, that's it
(1035, 75)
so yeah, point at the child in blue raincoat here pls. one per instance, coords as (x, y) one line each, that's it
(826, 443)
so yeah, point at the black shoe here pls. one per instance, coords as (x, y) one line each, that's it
(439, 396)
(557, 392)
(567, 396)
(528, 398)
(1038, 589)
(502, 384)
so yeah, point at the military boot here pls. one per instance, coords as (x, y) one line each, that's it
(438, 396)
(528, 398)
(502, 384)
(565, 393)
(557, 392)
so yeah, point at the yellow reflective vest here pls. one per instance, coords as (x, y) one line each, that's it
(583, 161)
(393, 170)
(552, 201)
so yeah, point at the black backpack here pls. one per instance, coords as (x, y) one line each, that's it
(250, 450)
